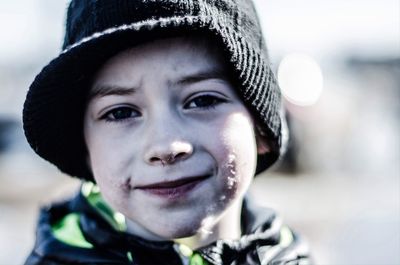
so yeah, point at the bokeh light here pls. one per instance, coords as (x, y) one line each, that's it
(300, 78)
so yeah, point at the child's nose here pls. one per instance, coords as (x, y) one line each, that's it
(168, 153)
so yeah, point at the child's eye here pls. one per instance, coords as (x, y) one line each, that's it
(204, 101)
(120, 114)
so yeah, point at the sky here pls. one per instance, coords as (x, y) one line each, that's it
(326, 28)
(33, 29)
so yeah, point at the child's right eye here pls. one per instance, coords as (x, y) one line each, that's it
(120, 114)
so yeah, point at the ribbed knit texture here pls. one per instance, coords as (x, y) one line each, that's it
(98, 29)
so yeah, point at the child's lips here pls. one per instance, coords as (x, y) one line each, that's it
(173, 189)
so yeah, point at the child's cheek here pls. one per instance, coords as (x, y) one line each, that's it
(115, 191)
(111, 175)
(239, 154)
(229, 172)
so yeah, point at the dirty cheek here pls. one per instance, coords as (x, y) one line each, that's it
(240, 153)
(230, 177)
(114, 181)
(229, 191)
(116, 192)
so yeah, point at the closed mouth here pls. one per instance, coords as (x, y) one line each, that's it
(174, 183)
(173, 189)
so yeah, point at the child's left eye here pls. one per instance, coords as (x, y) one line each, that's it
(204, 101)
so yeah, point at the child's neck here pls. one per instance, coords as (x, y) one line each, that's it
(228, 227)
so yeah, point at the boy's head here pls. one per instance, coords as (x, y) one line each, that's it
(98, 30)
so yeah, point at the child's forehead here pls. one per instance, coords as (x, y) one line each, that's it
(190, 59)
(181, 47)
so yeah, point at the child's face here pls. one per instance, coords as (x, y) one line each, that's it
(170, 144)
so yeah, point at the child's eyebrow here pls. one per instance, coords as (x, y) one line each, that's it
(108, 90)
(214, 73)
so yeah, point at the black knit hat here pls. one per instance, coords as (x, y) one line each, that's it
(98, 29)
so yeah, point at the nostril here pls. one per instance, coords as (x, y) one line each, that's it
(155, 159)
(159, 160)
(180, 156)
(172, 158)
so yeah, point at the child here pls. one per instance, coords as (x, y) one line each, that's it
(166, 110)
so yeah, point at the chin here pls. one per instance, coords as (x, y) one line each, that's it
(179, 229)
(173, 232)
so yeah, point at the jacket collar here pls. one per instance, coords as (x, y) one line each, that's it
(103, 229)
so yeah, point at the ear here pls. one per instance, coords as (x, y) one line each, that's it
(263, 146)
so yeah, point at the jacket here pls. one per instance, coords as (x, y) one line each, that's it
(85, 230)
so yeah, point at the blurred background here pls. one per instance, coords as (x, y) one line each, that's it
(338, 64)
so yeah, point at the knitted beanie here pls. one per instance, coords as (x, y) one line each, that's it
(98, 29)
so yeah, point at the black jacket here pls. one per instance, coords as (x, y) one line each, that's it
(75, 232)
